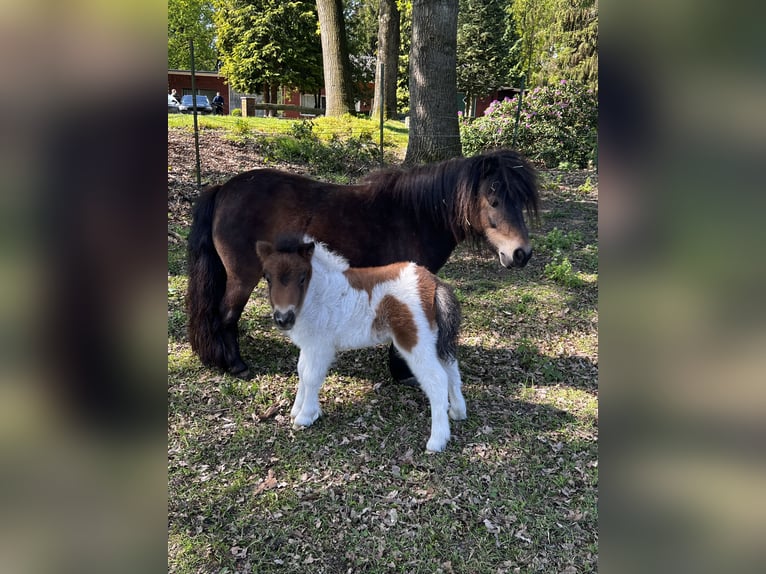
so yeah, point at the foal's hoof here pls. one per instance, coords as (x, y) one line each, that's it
(303, 421)
(435, 446)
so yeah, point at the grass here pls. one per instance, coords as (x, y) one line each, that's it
(515, 490)
(394, 133)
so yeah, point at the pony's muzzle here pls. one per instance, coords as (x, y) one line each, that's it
(519, 258)
(286, 320)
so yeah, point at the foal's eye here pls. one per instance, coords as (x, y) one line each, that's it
(302, 279)
(494, 202)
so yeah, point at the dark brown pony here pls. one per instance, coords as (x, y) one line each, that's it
(393, 215)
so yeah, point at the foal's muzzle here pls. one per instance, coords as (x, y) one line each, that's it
(284, 321)
(519, 258)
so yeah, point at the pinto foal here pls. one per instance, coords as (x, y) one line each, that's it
(325, 306)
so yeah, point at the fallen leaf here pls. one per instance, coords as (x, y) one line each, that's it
(267, 483)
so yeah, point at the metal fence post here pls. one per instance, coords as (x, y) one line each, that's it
(194, 111)
(518, 112)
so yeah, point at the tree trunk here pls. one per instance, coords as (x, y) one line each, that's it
(388, 55)
(274, 99)
(335, 60)
(434, 129)
(269, 97)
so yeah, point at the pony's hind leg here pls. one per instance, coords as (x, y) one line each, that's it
(457, 409)
(232, 305)
(400, 372)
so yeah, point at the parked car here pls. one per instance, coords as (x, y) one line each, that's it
(173, 105)
(203, 104)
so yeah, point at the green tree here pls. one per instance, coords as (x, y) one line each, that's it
(483, 55)
(191, 19)
(265, 44)
(388, 55)
(403, 73)
(361, 18)
(557, 40)
(538, 28)
(578, 56)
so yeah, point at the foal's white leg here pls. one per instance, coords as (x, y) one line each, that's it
(457, 411)
(313, 365)
(434, 382)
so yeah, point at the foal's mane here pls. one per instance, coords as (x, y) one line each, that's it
(291, 242)
(450, 190)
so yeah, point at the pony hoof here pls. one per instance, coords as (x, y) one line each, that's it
(240, 372)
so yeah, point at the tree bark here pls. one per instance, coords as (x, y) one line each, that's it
(270, 96)
(388, 55)
(434, 129)
(335, 60)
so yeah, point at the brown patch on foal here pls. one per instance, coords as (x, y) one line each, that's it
(396, 316)
(365, 278)
(427, 290)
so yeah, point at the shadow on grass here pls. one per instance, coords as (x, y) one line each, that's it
(522, 364)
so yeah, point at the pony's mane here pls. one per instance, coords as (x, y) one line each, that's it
(450, 190)
(289, 243)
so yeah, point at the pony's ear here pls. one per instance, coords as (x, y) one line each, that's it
(264, 249)
(307, 250)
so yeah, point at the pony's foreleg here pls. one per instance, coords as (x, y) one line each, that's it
(457, 410)
(312, 369)
(434, 381)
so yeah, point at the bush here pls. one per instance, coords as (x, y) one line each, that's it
(557, 126)
(236, 112)
(337, 156)
(240, 131)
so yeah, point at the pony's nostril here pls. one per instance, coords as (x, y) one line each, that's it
(284, 319)
(520, 257)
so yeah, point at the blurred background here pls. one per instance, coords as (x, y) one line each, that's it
(682, 143)
(682, 134)
(82, 305)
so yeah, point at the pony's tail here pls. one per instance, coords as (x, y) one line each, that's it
(207, 283)
(447, 320)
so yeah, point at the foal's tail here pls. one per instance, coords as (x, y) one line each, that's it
(207, 283)
(447, 320)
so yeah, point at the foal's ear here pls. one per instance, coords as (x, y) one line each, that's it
(264, 249)
(307, 250)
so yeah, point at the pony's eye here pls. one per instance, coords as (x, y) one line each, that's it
(302, 279)
(494, 202)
